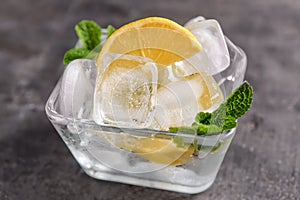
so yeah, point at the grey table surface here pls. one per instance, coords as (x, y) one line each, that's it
(263, 161)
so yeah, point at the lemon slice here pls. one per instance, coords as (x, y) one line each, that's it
(161, 40)
(157, 150)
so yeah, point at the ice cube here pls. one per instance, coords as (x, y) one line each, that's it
(179, 101)
(77, 89)
(126, 91)
(176, 104)
(215, 57)
(194, 20)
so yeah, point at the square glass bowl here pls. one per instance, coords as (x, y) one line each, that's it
(110, 153)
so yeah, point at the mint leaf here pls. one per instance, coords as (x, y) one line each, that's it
(229, 123)
(184, 129)
(235, 106)
(212, 149)
(94, 53)
(224, 117)
(75, 53)
(110, 30)
(173, 129)
(89, 33)
(239, 102)
(208, 129)
(219, 115)
(203, 117)
(179, 141)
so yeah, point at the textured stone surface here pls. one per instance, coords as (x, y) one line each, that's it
(263, 161)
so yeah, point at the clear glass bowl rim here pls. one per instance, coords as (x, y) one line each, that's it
(89, 124)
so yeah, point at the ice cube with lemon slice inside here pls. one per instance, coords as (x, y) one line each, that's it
(126, 92)
(149, 77)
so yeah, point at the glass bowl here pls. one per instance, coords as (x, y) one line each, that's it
(108, 153)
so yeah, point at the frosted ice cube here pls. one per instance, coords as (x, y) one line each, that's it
(210, 36)
(126, 91)
(77, 89)
(194, 20)
(180, 100)
(176, 104)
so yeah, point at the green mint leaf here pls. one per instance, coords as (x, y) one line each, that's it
(235, 106)
(224, 117)
(218, 116)
(74, 54)
(215, 149)
(200, 129)
(239, 102)
(211, 129)
(173, 129)
(212, 149)
(195, 146)
(203, 118)
(179, 141)
(229, 123)
(184, 129)
(110, 30)
(94, 53)
(89, 33)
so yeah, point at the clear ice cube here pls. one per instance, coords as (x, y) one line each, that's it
(194, 20)
(77, 89)
(215, 57)
(177, 103)
(180, 100)
(125, 94)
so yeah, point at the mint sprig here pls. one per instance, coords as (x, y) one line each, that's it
(89, 34)
(74, 54)
(110, 30)
(224, 117)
